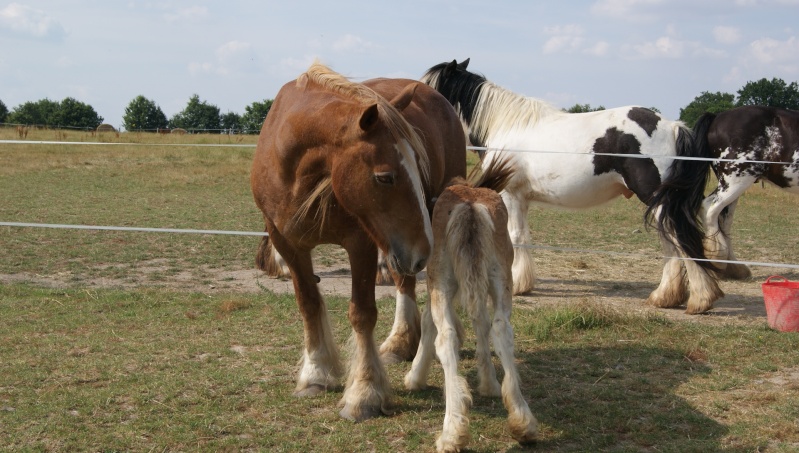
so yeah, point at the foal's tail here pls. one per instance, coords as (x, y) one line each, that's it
(675, 206)
(469, 247)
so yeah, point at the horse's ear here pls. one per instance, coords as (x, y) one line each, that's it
(369, 117)
(450, 67)
(464, 63)
(405, 97)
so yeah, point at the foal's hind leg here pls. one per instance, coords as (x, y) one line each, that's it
(455, 434)
(402, 341)
(522, 423)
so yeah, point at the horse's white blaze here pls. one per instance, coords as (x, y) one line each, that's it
(408, 161)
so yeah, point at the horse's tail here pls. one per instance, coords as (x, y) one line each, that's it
(675, 206)
(469, 248)
(269, 260)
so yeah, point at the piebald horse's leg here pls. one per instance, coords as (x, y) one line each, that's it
(684, 281)
(401, 343)
(734, 271)
(367, 394)
(718, 244)
(321, 367)
(519, 229)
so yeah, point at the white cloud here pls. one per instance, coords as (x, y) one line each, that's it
(570, 39)
(233, 57)
(768, 50)
(726, 35)
(600, 49)
(671, 47)
(632, 10)
(352, 43)
(25, 21)
(187, 14)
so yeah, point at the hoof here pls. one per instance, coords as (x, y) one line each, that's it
(395, 350)
(311, 390)
(736, 271)
(359, 414)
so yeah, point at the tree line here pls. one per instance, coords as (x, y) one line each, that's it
(143, 114)
(772, 93)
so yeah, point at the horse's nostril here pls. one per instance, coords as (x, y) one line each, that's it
(419, 266)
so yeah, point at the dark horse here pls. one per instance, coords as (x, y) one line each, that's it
(338, 163)
(589, 159)
(751, 133)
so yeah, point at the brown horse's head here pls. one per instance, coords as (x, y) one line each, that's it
(378, 167)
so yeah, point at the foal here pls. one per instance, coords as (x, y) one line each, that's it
(471, 263)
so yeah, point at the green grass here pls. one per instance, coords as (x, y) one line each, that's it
(146, 369)
(103, 370)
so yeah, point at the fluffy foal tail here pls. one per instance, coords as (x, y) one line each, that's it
(470, 231)
(675, 206)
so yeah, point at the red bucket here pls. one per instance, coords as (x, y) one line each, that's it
(782, 303)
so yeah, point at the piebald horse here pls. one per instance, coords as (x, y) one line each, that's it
(584, 160)
(471, 266)
(355, 165)
(751, 133)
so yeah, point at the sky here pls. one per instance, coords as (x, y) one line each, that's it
(654, 53)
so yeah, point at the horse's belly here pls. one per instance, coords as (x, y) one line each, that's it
(571, 186)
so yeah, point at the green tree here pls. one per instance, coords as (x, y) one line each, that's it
(143, 114)
(197, 116)
(3, 112)
(772, 93)
(706, 102)
(254, 116)
(73, 113)
(231, 122)
(42, 112)
(583, 108)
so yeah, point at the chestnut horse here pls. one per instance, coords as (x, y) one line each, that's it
(748, 139)
(471, 266)
(586, 159)
(338, 163)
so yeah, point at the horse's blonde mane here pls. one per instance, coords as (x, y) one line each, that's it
(499, 111)
(397, 125)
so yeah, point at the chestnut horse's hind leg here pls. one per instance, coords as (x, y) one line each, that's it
(401, 343)
(367, 394)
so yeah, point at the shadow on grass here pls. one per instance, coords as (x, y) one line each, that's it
(600, 399)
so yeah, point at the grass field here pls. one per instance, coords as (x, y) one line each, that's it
(145, 367)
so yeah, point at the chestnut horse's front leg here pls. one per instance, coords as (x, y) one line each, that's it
(367, 394)
(321, 367)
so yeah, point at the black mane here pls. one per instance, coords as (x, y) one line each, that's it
(460, 87)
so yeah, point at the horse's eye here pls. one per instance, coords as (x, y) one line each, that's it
(385, 178)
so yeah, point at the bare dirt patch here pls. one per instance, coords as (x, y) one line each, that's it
(563, 278)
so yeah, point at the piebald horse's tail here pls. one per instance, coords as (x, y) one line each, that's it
(675, 206)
